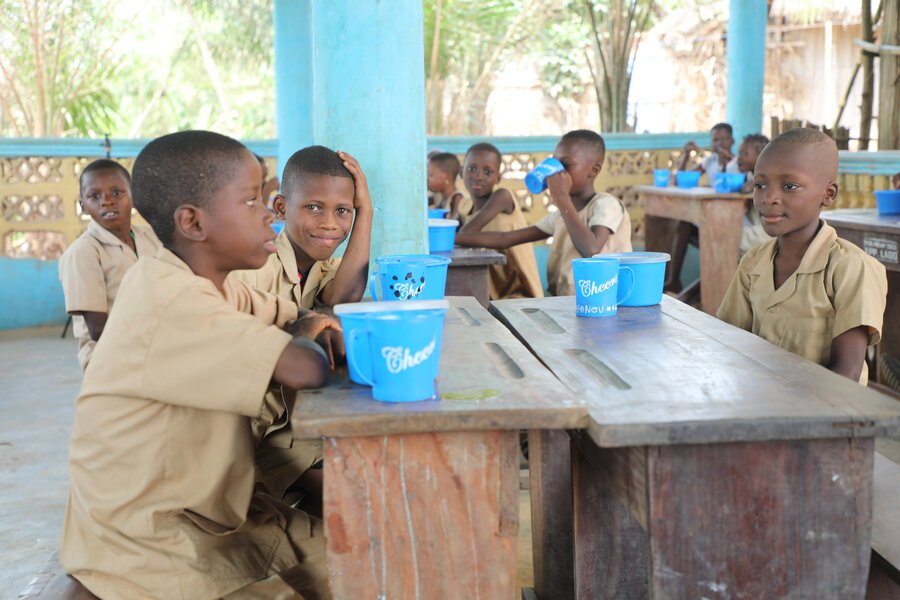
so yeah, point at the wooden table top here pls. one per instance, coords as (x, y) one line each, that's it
(488, 380)
(865, 219)
(702, 193)
(473, 257)
(670, 374)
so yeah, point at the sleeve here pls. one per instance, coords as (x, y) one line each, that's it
(329, 270)
(548, 223)
(204, 354)
(860, 295)
(82, 277)
(607, 211)
(707, 162)
(735, 308)
(265, 306)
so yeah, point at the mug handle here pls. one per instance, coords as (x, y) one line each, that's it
(352, 350)
(372, 279)
(630, 287)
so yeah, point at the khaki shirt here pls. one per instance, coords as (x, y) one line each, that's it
(162, 501)
(91, 270)
(603, 209)
(836, 287)
(279, 275)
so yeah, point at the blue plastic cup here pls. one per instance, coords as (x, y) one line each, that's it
(435, 276)
(728, 183)
(437, 213)
(687, 179)
(441, 234)
(536, 180)
(661, 177)
(397, 349)
(597, 286)
(647, 273)
(401, 277)
(278, 226)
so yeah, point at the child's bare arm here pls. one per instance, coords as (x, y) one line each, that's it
(349, 282)
(501, 201)
(500, 240)
(588, 241)
(303, 363)
(848, 351)
(689, 149)
(94, 320)
(455, 199)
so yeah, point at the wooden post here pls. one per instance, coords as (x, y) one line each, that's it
(868, 84)
(889, 81)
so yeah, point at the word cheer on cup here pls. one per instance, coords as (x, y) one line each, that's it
(597, 291)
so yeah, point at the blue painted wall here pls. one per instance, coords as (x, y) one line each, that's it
(30, 293)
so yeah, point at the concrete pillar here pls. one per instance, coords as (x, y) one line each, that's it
(350, 75)
(746, 49)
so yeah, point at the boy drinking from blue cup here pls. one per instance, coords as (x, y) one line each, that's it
(586, 222)
(807, 290)
(721, 160)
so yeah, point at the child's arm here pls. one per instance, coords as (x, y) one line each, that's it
(349, 281)
(848, 352)
(455, 199)
(303, 364)
(689, 148)
(501, 201)
(500, 240)
(588, 241)
(94, 320)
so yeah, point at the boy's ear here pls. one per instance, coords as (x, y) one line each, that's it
(189, 222)
(279, 205)
(831, 192)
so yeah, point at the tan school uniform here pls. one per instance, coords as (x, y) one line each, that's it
(91, 270)
(603, 209)
(519, 277)
(836, 287)
(465, 208)
(162, 501)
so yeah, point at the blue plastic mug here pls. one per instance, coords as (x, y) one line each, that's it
(441, 234)
(437, 213)
(661, 177)
(536, 180)
(597, 286)
(687, 179)
(401, 277)
(647, 273)
(727, 183)
(395, 347)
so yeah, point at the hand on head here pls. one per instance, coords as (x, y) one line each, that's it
(361, 195)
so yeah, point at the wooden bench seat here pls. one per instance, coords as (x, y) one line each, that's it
(884, 574)
(52, 583)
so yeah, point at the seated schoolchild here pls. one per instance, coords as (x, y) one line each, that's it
(585, 223)
(491, 212)
(269, 184)
(163, 500)
(807, 290)
(91, 269)
(443, 170)
(752, 232)
(720, 160)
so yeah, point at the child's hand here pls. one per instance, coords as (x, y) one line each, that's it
(311, 324)
(332, 343)
(725, 154)
(691, 147)
(559, 185)
(895, 180)
(361, 197)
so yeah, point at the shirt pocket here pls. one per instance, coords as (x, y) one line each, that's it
(810, 337)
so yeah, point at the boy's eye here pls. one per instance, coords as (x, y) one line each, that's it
(760, 186)
(313, 207)
(94, 196)
(791, 186)
(488, 172)
(251, 201)
(471, 169)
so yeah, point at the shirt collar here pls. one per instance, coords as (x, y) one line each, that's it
(814, 259)
(285, 251)
(103, 235)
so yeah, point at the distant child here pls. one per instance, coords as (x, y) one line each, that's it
(91, 269)
(443, 170)
(493, 212)
(721, 160)
(269, 184)
(752, 233)
(585, 223)
(324, 198)
(163, 500)
(807, 290)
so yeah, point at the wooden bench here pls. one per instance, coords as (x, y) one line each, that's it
(884, 573)
(52, 583)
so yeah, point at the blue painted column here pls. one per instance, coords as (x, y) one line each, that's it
(746, 48)
(350, 75)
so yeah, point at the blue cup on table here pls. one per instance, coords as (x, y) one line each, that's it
(661, 177)
(395, 347)
(597, 291)
(401, 277)
(727, 183)
(435, 276)
(437, 213)
(536, 180)
(441, 234)
(646, 272)
(687, 179)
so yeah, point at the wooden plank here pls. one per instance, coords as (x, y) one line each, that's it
(761, 520)
(473, 257)
(422, 515)
(469, 281)
(549, 464)
(670, 374)
(720, 237)
(886, 521)
(488, 380)
(884, 580)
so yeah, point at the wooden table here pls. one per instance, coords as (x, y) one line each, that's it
(879, 235)
(714, 464)
(720, 217)
(468, 273)
(421, 498)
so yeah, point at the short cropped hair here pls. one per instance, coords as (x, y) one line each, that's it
(724, 126)
(312, 160)
(187, 167)
(589, 139)
(485, 147)
(446, 162)
(804, 135)
(757, 140)
(102, 164)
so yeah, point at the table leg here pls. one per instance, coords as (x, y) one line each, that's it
(468, 281)
(890, 331)
(422, 515)
(720, 238)
(744, 520)
(658, 233)
(549, 466)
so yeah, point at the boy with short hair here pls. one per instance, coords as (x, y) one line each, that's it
(163, 500)
(443, 170)
(92, 268)
(752, 232)
(586, 222)
(324, 198)
(721, 160)
(807, 290)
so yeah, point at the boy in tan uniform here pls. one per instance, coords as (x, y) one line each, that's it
(807, 290)
(586, 222)
(91, 269)
(163, 501)
(443, 171)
